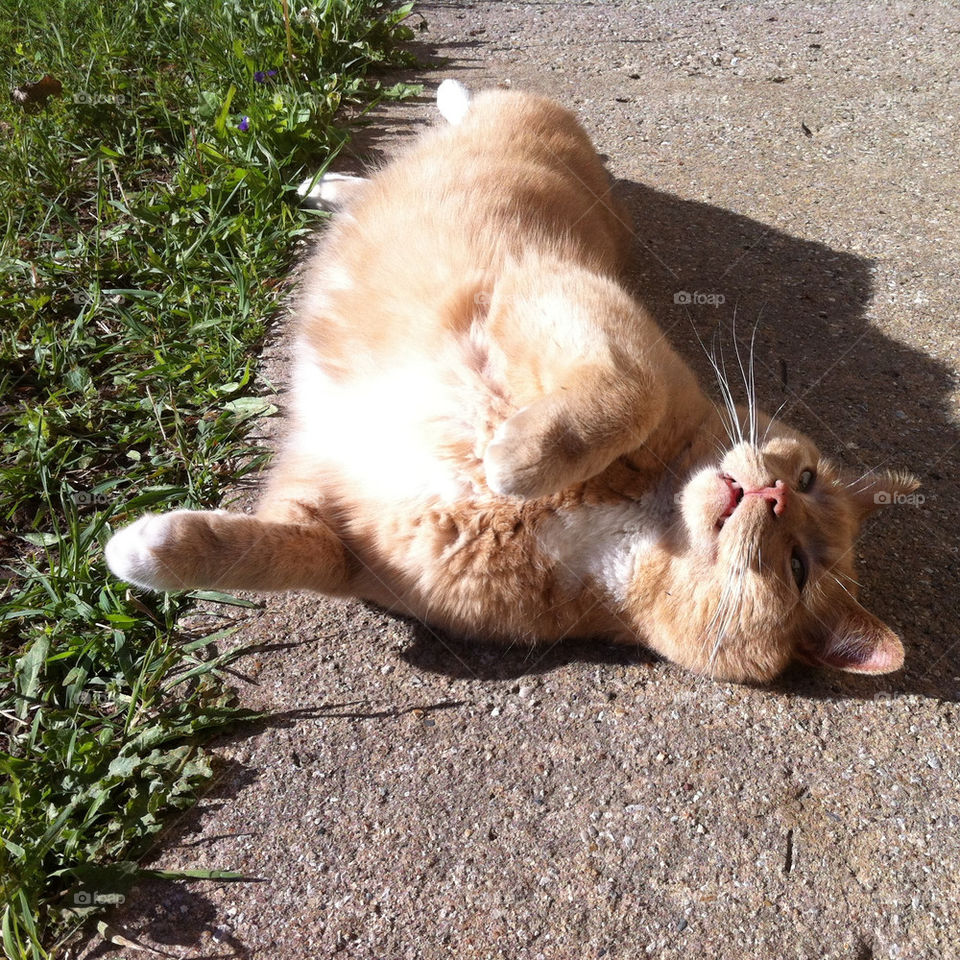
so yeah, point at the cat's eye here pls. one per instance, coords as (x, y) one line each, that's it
(806, 480)
(798, 568)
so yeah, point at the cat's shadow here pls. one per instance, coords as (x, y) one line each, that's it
(431, 650)
(867, 399)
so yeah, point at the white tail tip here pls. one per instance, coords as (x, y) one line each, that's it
(329, 192)
(453, 101)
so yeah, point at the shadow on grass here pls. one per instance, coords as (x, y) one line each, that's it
(169, 916)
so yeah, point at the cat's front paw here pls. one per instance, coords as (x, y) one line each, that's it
(522, 459)
(145, 552)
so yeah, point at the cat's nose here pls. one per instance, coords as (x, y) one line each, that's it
(777, 495)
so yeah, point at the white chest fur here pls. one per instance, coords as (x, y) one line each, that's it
(604, 542)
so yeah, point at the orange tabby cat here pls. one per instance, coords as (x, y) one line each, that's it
(490, 434)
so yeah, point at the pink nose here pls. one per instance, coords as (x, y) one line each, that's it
(777, 495)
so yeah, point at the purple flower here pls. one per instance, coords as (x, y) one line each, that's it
(244, 125)
(261, 76)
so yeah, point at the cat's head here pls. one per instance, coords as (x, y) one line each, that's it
(770, 529)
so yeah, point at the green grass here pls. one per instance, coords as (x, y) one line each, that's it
(147, 218)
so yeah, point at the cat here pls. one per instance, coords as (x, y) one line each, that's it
(490, 434)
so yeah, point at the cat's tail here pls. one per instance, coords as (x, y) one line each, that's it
(453, 101)
(331, 192)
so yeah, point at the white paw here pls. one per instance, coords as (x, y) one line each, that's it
(498, 476)
(453, 101)
(133, 553)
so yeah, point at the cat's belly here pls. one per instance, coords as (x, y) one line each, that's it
(474, 567)
(376, 432)
(526, 571)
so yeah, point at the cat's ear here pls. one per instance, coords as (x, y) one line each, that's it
(856, 641)
(880, 488)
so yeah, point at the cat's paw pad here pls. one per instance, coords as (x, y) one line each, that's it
(140, 553)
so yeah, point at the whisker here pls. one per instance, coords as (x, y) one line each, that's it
(846, 576)
(719, 612)
(738, 575)
(731, 423)
(720, 448)
(753, 380)
(731, 407)
(864, 477)
(751, 406)
(728, 619)
(729, 394)
(774, 417)
(842, 587)
(725, 609)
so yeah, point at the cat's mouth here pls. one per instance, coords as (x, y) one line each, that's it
(734, 493)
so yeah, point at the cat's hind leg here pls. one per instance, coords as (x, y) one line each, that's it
(197, 549)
